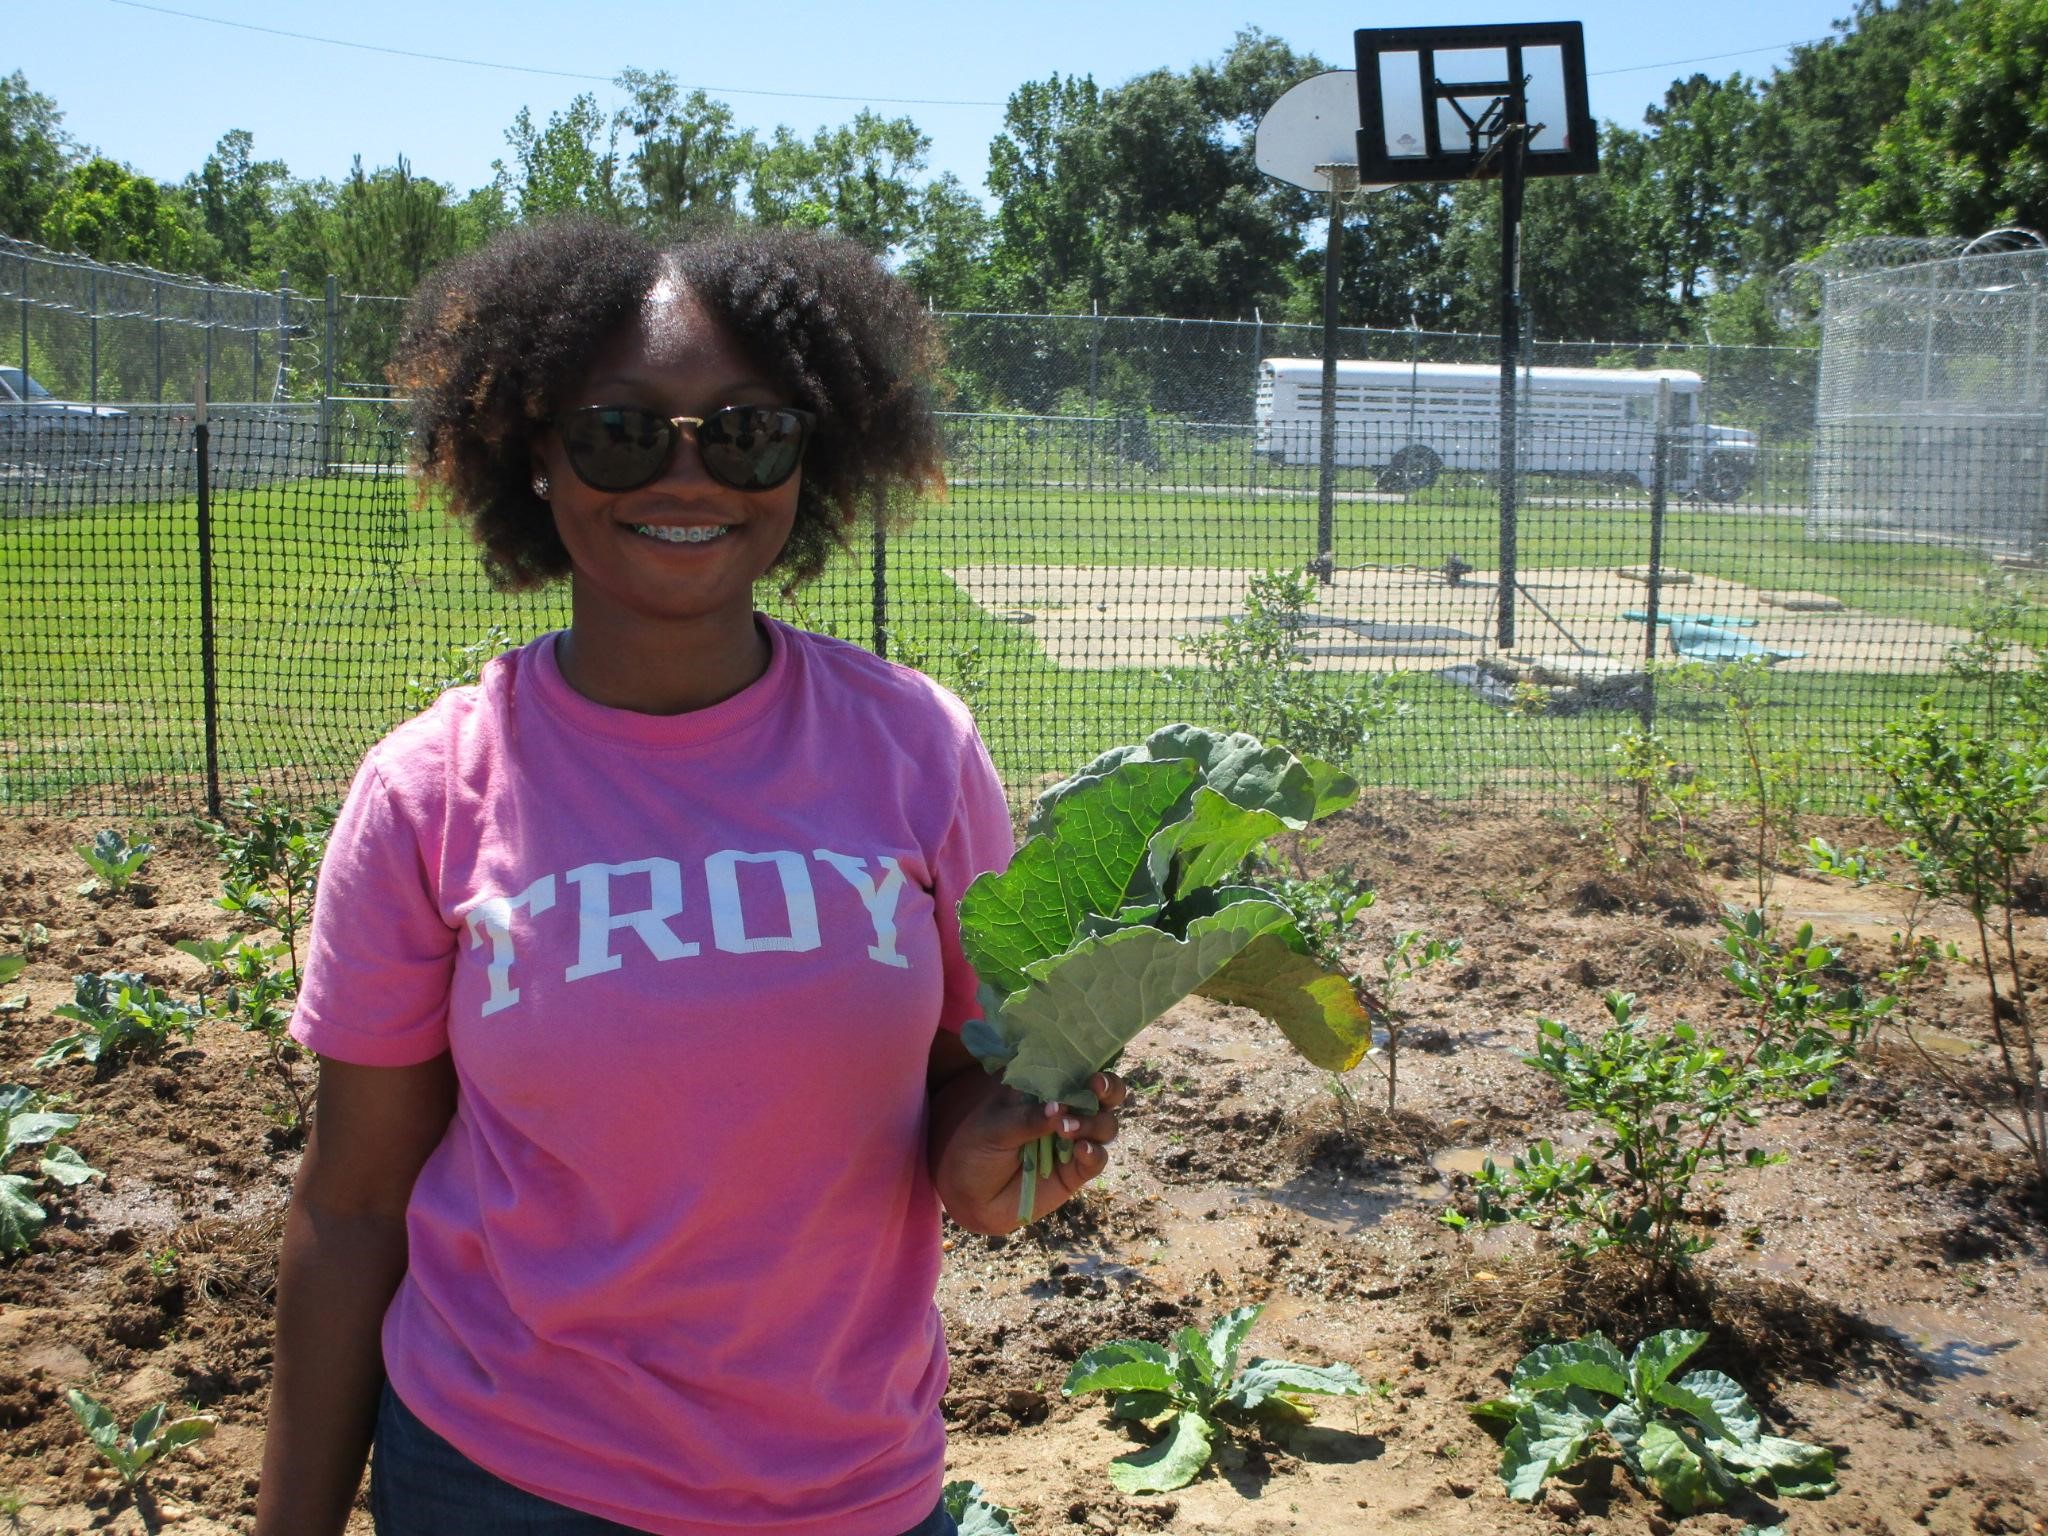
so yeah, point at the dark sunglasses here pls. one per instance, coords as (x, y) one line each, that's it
(623, 447)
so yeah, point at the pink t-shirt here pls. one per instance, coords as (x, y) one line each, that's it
(673, 1262)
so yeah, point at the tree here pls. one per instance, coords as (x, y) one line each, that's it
(569, 166)
(854, 180)
(1696, 191)
(235, 197)
(378, 232)
(1819, 119)
(1969, 152)
(688, 162)
(106, 211)
(945, 259)
(34, 155)
(1045, 170)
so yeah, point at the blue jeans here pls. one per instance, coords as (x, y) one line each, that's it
(420, 1485)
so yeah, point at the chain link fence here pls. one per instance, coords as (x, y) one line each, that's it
(1117, 487)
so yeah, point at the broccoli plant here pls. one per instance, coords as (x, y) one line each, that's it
(1192, 1390)
(113, 862)
(123, 1015)
(273, 864)
(24, 1122)
(131, 1453)
(1691, 1441)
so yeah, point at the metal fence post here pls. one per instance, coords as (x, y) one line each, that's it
(206, 371)
(879, 596)
(156, 291)
(92, 329)
(284, 290)
(24, 323)
(1660, 459)
(208, 674)
(333, 297)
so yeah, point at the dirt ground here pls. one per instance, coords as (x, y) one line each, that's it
(1884, 1292)
(1406, 618)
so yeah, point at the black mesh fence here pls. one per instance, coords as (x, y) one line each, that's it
(1074, 586)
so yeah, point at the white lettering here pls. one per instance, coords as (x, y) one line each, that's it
(729, 923)
(492, 918)
(879, 900)
(597, 922)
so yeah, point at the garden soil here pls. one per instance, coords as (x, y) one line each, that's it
(1883, 1292)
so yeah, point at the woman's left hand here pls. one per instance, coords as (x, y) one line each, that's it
(978, 1133)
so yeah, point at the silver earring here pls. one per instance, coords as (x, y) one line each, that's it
(540, 486)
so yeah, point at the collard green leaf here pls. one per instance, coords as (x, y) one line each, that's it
(66, 1167)
(20, 1217)
(1657, 1357)
(1331, 786)
(1317, 1010)
(1209, 843)
(1793, 1468)
(1174, 1462)
(1680, 1470)
(1129, 1365)
(1082, 1007)
(1716, 1401)
(1591, 1362)
(973, 1512)
(33, 1129)
(1243, 769)
(99, 1424)
(1261, 1379)
(11, 967)
(1496, 1413)
(1093, 844)
(1624, 1427)
(1137, 1406)
(1226, 1338)
(1549, 1435)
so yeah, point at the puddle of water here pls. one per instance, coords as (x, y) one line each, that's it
(1465, 1160)
(1941, 1043)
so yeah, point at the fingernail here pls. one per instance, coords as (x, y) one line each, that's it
(1052, 1110)
(1069, 1125)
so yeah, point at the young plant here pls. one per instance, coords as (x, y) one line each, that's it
(123, 1015)
(461, 666)
(1126, 899)
(1767, 774)
(1666, 796)
(114, 864)
(1662, 1107)
(24, 1122)
(273, 864)
(1413, 953)
(1971, 805)
(1192, 1391)
(133, 1452)
(256, 996)
(1692, 1441)
(973, 1513)
(1253, 676)
(12, 966)
(1787, 985)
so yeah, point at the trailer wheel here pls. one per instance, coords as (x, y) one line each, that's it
(1724, 477)
(1414, 468)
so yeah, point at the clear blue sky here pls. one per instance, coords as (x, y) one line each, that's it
(156, 90)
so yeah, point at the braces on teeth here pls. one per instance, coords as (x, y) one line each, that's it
(700, 535)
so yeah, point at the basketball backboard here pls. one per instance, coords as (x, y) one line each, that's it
(1309, 137)
(1433, 102)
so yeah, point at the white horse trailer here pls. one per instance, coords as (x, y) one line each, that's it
(1409, 422)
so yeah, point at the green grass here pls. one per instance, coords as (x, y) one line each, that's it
(331, 594)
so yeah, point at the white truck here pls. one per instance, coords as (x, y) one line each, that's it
(1409, 422)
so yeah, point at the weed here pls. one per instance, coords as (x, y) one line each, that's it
(1767, 775)
(123, 1015)
(1667, 798)
(273, 864)
(256, 996)
(461, 666)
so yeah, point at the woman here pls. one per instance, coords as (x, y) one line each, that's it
(635, 980)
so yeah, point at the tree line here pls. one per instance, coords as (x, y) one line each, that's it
(1913, 117)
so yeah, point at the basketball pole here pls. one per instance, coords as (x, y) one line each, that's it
(1511, 179)
(1342, 179)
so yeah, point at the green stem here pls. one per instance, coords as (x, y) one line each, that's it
(1027, 1191)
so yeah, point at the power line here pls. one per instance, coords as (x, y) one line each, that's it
(533, 69)
(740, 90)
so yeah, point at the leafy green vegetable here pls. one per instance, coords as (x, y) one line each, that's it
(25, 1123)
(154, 1436)
(1691, 1440)
(1121, 903)
(122, 1014)
(112, 861)
(1195, 1389)
(973, 1512)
